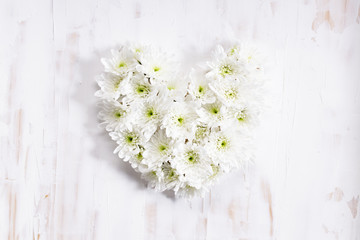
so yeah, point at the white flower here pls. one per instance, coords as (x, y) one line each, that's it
(115, 116)
(224, 66)
(251, 60)
(156, 65)
(158, 149)
(171, 177)
(136, 161)
(112, 85)
(247, 53)
(192, 164)
(150, 114)
(179, 122)
(129, 143)
(174, 88)
(139, 50)
(242, 117)
(139, 89)
(199, 88)
(230, 92)
(212, 114)
(154, 177)
(121, 63)
(225, 149)
(162, 177)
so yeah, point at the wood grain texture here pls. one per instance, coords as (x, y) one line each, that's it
(60, 180)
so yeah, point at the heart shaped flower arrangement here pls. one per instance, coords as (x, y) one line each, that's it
(181, 132)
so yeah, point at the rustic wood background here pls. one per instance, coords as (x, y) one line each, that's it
(60, 180)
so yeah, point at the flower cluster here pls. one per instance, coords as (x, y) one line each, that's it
(181, 132)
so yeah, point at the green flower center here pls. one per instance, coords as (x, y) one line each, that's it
(122, 64)
(172, 174)
(201, 90)
(150, 113)
(142, 90)
(222, 143)
(226, 69)
(231, 93)
(119, 114)
(192, 156)
(156, 69)
(241, 116)
(214, 110)
(131, 139)
(180, 120)
(163, 148)
(232, 51)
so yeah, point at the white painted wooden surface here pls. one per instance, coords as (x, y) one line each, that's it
(60, 180)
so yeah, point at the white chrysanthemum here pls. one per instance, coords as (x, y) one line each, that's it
(212, 114)
(174, 88)
(157, 65)
(199, 88)
(231, 92)
(136, 160)
(171, 177)
(129, 143)
(150, 114)
(248, 54)
(122, 61)
(226, 149)
(154, 178)
(193, 165)
(251, 60)
(139, 89)
(112, 85)
(115, 116)
(158, 149)
(224, 66)
(162, 178)
(243, 117)
(179, 122)
(139, 50)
